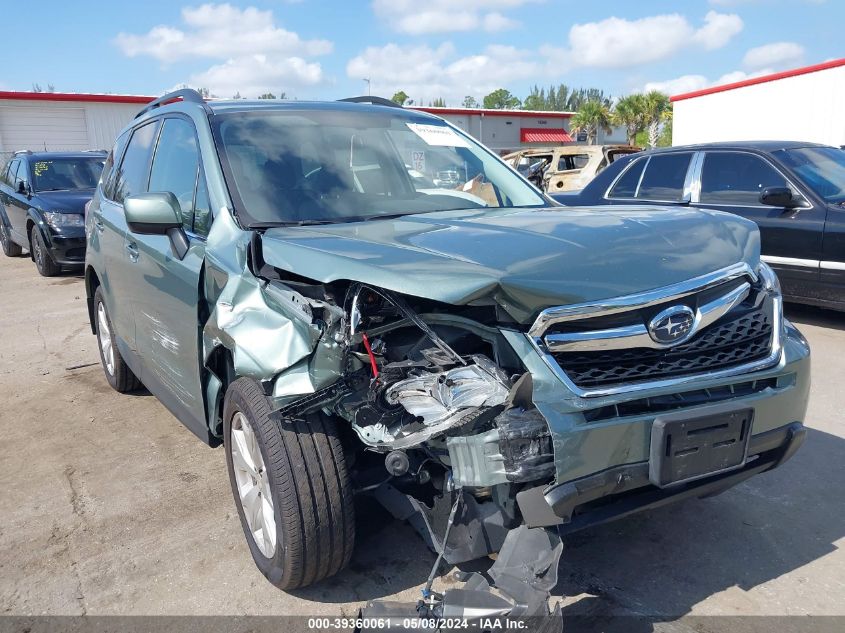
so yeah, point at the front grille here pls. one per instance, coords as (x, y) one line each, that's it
(740, 337)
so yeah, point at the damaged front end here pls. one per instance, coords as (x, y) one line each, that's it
(442, 430)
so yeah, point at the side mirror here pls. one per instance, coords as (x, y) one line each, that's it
(152, 213)
(157, 213)
(779, 197)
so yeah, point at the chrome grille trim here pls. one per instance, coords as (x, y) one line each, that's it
(637, 335)
(556, 315)
(560, 314)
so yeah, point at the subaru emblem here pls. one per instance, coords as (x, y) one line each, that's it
(673, 325)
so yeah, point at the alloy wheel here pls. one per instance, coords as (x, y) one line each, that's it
(253, 485)
(104, 336)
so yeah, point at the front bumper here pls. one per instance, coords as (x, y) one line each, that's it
(625, 490)
(68, 247)
(602, 445)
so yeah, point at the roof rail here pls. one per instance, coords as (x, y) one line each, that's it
(185, 94)
(374, 100)
(21, 151)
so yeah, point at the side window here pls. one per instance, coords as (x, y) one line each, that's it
(109, 174)
(9, 176)
(23, 172)
(131, 176)
(736, 178)
(175, 166)
(626, 186)
(664, 177)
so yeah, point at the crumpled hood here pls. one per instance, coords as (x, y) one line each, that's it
(69, 201)
(524, 259)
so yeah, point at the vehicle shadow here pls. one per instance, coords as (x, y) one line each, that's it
(811, 315)
(661, 564)
(651, 567)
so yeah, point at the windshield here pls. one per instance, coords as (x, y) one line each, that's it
(59, 174)
(316, 166)
(821, 168)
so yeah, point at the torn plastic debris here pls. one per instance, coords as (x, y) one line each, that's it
(523, 576)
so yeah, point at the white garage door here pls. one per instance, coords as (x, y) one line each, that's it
(39, 128)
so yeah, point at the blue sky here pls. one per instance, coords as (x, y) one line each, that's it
(429, 48)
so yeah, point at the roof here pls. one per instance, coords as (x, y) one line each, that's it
(543, 135)
(240, 105)
(94, 153)
(835, 63)
(760, 146)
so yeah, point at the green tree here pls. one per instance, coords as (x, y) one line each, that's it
(630, 112)
(439, 102)
(657, 109)
(501, 99)
(592, 117)
(536, 99)
(267, 95)
(469, 102)
(237, 95)
(400, 97)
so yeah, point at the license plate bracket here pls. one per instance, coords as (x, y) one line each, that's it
(687, 447)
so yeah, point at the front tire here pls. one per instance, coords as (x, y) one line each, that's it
(291, 488)
(10, 249)
(43, 260)
(117, 372)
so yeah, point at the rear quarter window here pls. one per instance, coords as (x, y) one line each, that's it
(626, 186)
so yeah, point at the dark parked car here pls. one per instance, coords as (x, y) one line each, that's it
(795, 192)
(43, 196)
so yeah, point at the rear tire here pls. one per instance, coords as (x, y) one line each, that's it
(305, 531)
(117, 372)
(10, 249)
(43, 260)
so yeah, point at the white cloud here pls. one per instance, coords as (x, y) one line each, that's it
(256, 55)
(718, 30)
(618, 43)
(445, 16)
(691, 83)
(426, 73)
(253, 75)
(776, 54)
(219, 31)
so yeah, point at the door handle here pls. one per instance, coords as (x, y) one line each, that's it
(132, 250)
(98, 224)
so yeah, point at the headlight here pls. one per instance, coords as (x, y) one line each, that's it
(770, 280)
(59, 220)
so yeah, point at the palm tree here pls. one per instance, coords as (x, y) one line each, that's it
(657, 107)
(630, 112)
(590, 118)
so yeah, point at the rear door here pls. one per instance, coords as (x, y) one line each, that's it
(166, 288)
(109, 225)
(18, 203)
(8, 190)
(663, 178)
(791, 239)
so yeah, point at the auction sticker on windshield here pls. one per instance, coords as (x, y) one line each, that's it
(439, 135)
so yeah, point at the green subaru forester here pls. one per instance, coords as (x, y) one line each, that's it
(356, 298)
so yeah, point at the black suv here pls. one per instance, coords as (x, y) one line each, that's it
(795, 192)
(42, 206)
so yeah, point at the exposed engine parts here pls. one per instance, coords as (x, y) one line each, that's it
(450, 437)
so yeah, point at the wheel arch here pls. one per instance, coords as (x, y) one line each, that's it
(92, 282)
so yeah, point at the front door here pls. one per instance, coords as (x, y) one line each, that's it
(166, 293)
(791, 239)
